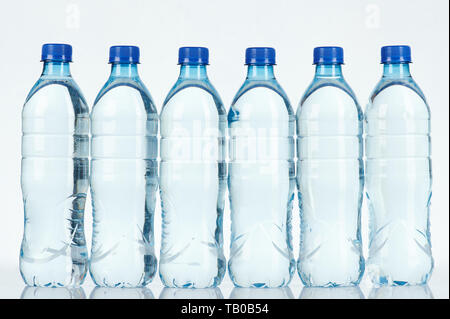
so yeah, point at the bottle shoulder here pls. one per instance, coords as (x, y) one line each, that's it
(340, 84)
(333, 97)
(193, 91)
(272, 86)
(127, 91)
(260, 101)
(407, 82)
(49, 92)
(399, 99)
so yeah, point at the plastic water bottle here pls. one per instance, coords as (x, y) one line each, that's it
(55, 169)
(398, 175)
(261, 177)
(124, 177)
(330, 176)
(193, 177)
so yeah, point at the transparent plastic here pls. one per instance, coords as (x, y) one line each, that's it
(192, 182)
(330, 181)
(398, 180)
(54, 180)
(261, 182)
(124, 181)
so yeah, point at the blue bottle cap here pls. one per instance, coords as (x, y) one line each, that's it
(193, 55)
(56, 52)
(396, 54)
(328, 55)
(123, 54)
(260, 56)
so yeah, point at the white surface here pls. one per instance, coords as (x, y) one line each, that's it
(227, 28)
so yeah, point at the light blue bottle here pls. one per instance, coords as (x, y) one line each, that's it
(261, 177)
(124, 181)
(193, 177)
(398, 175)
(330, 176)
(55, 170)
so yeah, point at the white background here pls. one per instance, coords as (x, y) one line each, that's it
(294, 28)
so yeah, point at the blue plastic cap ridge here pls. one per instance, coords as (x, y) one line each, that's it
(124, 54)
(193, 55)
(328, 55)
(57, 52)
(260, 56)
(396, 54)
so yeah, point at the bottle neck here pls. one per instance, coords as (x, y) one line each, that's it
(52, 68)
(396, 70)
(328, 70)
(260, 72)
(193, 72)
(125, 70)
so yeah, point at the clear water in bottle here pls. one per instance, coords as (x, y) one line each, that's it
(124, 177)
(193, 177)
(54, 179)
(261, 177)
(330, 176)
(398, 175)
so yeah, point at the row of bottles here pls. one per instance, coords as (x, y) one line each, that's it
(194, 175)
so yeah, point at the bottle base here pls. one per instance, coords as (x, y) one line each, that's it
(69, 283)
(308, 281)
(384, 276)
(187, 284)
(52, 278)
(106, 282)
(280, 283)
(388, 281)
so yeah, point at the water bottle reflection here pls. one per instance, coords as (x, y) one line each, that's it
(180, 293)
(332, 293)
(52, 293)
(121, 293)
(263, 293)
(401, 292)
